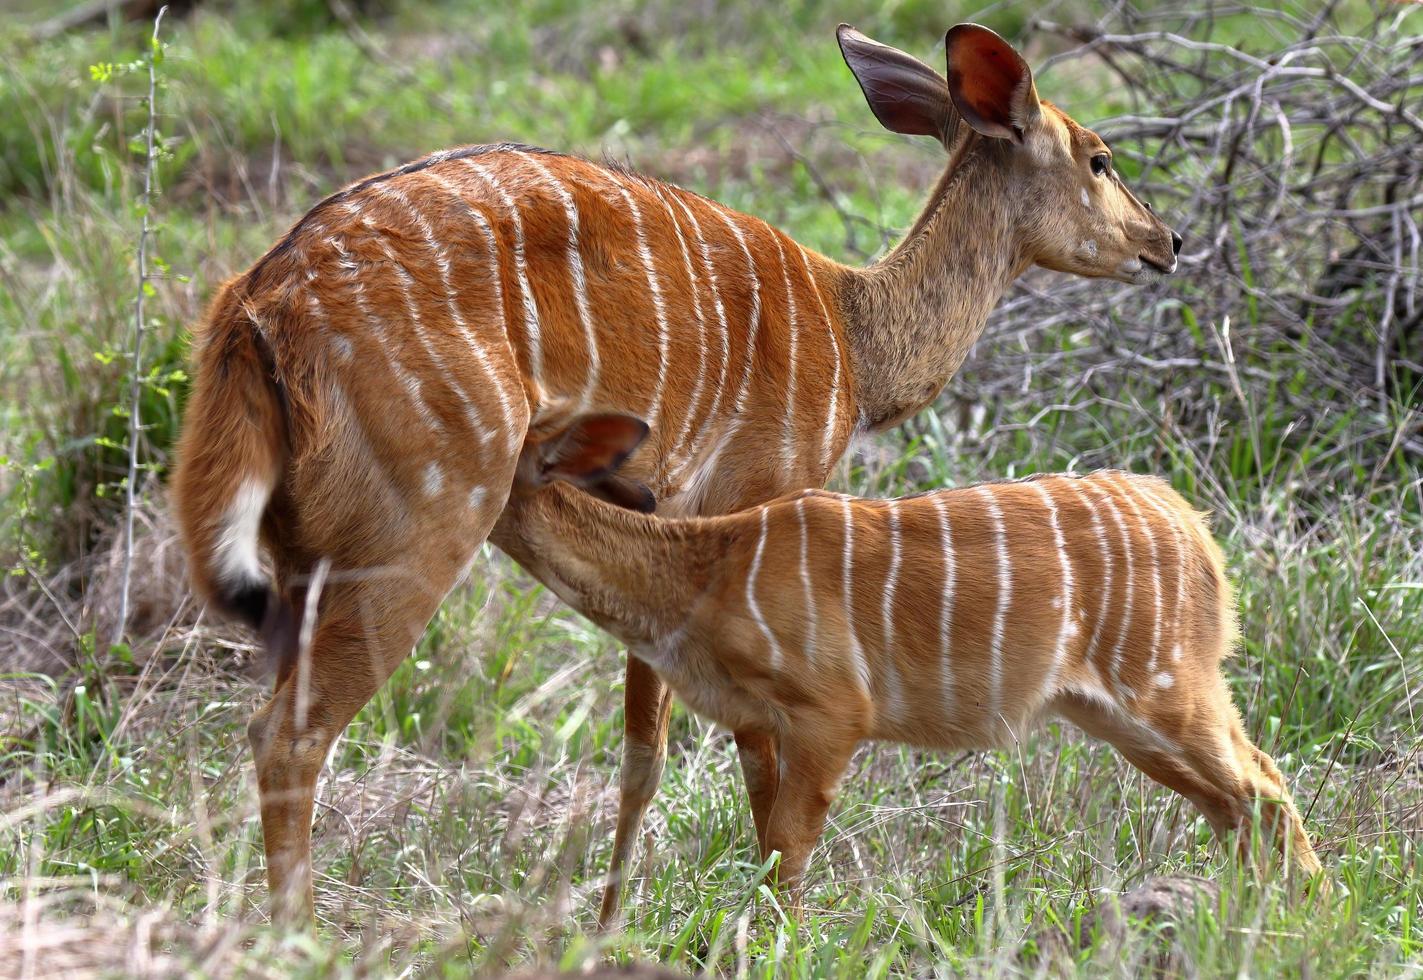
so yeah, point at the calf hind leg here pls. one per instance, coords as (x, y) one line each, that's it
(1210, 762)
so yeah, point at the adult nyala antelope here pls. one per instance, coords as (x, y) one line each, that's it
(363, 391)
(952, 619)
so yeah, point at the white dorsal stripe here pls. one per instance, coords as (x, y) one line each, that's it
(659, 304)
(404, 378)
(533, 332)
(1064, 632)
(1100, 530)
(1130, 600)
(832, 411)
(1000, 610)
(709, 272)
(793, 327)
(811, 616)
(1128, 493)
(946, 604)
(751, 602)
(576, 274)
(847, 561)
(679, 442)
(513, 436)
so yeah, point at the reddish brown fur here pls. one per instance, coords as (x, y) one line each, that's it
(379, 368)
(747, 618)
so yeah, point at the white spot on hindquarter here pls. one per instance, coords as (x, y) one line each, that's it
(1164, 679)
(342, 345)
(434, 479)
(235, 552)
(477, 495)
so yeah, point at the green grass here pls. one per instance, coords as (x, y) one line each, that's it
(466, 814)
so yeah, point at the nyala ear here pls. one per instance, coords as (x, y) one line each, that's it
(906, 95)
(990, 84)
(625, 493)
(591, 448)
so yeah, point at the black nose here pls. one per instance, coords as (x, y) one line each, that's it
(1175, 244)
(1148, 205)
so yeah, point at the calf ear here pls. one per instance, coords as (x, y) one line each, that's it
(990, 84)
(906, 95)
(591, 448)
(627, 494)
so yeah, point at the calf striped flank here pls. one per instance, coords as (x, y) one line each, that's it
(968, 615)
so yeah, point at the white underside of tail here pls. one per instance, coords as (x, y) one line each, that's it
(235, 553)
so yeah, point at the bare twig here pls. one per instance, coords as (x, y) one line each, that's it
(135, 428)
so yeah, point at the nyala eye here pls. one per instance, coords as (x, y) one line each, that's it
(1101, 163)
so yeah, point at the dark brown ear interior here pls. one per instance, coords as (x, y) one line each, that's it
(989, 82)
(906, 95)
(592, 448)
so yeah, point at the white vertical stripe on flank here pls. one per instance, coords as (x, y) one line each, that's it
(1128, 493)
(753, 323)
(857, 652)
(709, 271)
(792, 353)
(832, 411)
(811, 617)
(1152, 495)
(417, 324)
(511, 434)
(404, 378)
(1130, 601)
(751, 603)
(696, 396)
(575, 271)
(738, 415)
(1106, 552)
(946, 603)
(532, 329)
(659, 305)
(894, 689)
(1065, 563)
(1000, 611)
